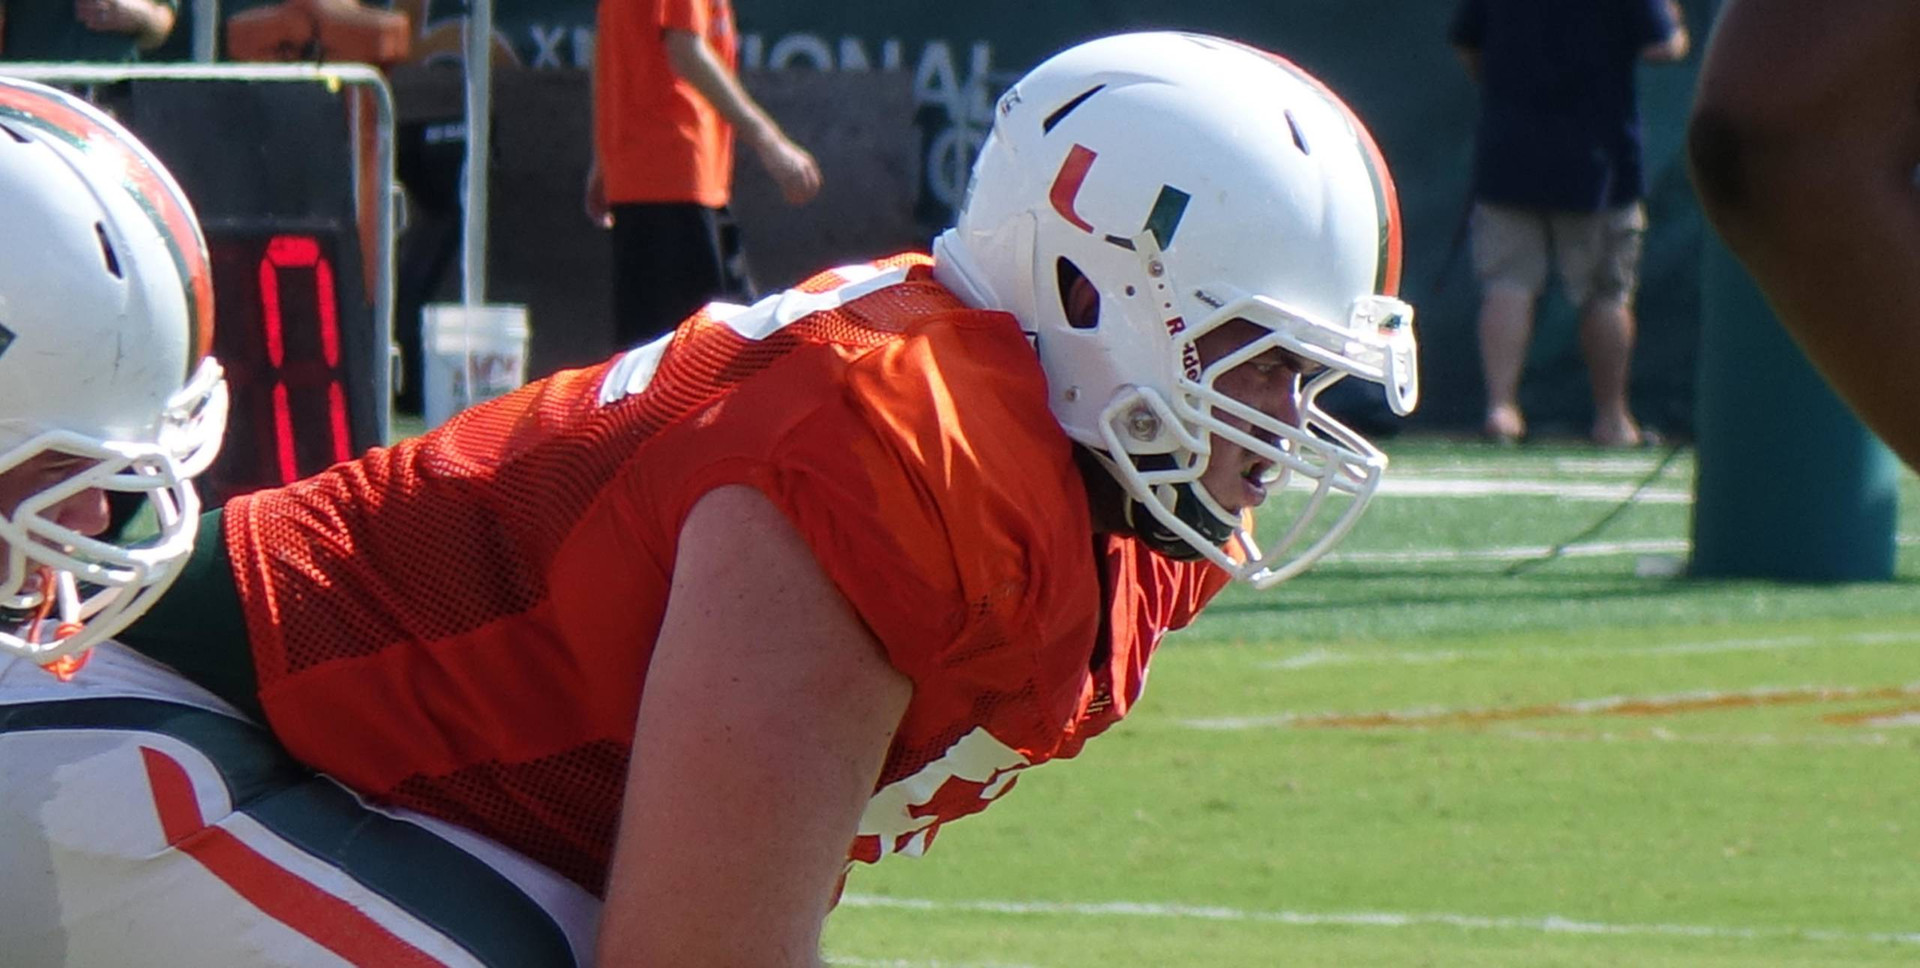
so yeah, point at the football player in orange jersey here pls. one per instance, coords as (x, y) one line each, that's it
(1805, 145)
(802, 581)
(143, 821)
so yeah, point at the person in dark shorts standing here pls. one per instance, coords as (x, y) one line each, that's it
(1557, 179)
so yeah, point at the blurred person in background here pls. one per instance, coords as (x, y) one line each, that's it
(667, 109)
(1557, 181)
(1803, 143)
(83, 30)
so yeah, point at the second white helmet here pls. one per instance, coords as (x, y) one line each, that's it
(106, 319)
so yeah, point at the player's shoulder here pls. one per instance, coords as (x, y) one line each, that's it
(961, 391)
(938, 436)
(887, 270)
(924, 364)
(915, 405)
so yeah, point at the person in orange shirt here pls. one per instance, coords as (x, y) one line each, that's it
(797, 584)
(1805, 146)
(667, 106)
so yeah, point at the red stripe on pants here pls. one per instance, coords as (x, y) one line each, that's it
(330, 921)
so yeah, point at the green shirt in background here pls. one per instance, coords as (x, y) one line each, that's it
(47, 30)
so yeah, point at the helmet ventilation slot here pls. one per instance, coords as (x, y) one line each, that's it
(1060, 113)
(1299, 137)
(106, 250)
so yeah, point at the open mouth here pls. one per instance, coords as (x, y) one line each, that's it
(1255, 478)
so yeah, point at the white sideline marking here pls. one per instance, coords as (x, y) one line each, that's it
(1330, 657)
(1563, 490)
(1602, 705)
(856, 962)
(1635, 466)
(1658, 735)
(1895, 720)
(1593, 549)
(1613, 465)
(1545, 924)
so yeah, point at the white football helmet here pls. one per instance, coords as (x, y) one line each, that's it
(1194, 181)
(106, 319)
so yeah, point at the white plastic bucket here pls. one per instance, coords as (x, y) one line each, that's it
(473, 354)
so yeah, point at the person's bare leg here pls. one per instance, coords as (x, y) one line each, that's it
(1606, 339)
(1506, 327)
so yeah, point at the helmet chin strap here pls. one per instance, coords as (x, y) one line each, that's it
(1189, 506)
(57, 592)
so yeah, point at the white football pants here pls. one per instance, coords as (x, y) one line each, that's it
(144, 823)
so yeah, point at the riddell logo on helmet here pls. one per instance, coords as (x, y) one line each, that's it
(6, 339)
(1189, 352)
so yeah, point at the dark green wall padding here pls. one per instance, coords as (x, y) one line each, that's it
(1790, 485)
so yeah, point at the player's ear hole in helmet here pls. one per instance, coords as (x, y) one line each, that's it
(1079, 300)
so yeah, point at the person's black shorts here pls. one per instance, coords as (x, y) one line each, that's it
(669, 259)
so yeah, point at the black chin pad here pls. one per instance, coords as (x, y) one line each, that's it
(1191, 511)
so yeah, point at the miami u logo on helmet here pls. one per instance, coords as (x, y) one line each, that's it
(1163, 219)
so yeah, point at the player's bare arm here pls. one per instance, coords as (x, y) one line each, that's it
(1803, 143)
(768, 712)
(147, 20)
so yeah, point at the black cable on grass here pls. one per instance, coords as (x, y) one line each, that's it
(1666, 461)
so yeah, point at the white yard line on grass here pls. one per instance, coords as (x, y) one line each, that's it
(854, 962)
(1544, 924)
(1705, 700)
(1658, 735)
(1321, 657)
(1563, 490)
(1635, 467)
(1591, 549)
(1896, 720)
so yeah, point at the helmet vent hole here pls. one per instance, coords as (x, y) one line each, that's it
(1299, 137)
(1060, 113)
(1079, 300)
(106, 251)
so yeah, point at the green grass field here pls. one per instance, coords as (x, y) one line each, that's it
(1440, 748)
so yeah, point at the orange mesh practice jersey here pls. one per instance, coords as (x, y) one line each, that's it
(462, 624)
